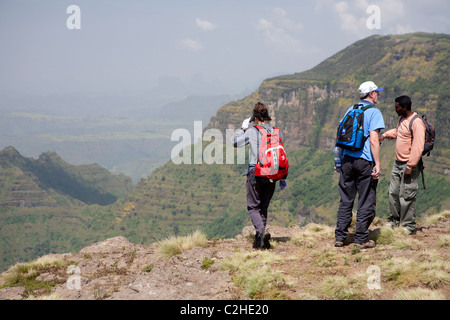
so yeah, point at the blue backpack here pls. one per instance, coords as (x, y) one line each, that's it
(350, 132)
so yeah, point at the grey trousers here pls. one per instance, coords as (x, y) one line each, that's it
(402, 196)
(258, 199)
(356, 177)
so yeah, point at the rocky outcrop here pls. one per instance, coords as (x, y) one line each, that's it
(120, 270)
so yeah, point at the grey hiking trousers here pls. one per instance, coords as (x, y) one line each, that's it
(259, 195)
(402, 196)
(356, 178)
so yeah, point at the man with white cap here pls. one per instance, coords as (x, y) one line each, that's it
(360, 173)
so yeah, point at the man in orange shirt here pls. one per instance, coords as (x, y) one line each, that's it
(403, 184)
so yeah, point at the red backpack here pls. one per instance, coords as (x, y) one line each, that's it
(272, 160)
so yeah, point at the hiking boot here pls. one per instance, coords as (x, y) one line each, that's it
(265, 244)
(257, 242)
(262, 240)
(338, 244)
(366, 245)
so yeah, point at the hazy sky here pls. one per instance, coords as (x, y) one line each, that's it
(129, 45)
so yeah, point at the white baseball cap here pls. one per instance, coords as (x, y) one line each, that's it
(367, 87)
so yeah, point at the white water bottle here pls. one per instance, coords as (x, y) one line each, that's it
(337, 159)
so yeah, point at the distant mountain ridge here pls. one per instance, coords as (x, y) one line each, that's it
(50, 181)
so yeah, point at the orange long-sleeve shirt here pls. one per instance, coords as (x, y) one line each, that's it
(405, 149)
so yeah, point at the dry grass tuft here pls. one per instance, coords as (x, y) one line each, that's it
(23, 272)
(252, 271)
(444, 241)
(311, 235)
(419, 294)
(398, 238)
(52, 296)
(406, 272)
(176, 245)
(344, 288)
(433, 219)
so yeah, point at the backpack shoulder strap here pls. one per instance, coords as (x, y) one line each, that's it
(367, 107)
(411, 123)
(399, 120)
(261, 130)
(257, 126)
(363, 108)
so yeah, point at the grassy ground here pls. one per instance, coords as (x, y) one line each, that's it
(307, 266)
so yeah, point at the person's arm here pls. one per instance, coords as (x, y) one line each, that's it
(240, 138)
(390, 134)
(375, 148)
(375, 126)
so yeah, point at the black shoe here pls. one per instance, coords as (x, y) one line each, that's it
(262, 240)
(257, 242)
(265, 244)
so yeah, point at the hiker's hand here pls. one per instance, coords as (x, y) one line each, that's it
(376, 172)
(407, 172)
(283, 184)
(381, 138)
(246, 124)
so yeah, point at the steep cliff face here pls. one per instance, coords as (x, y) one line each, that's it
(302, 108)
(305, 111)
